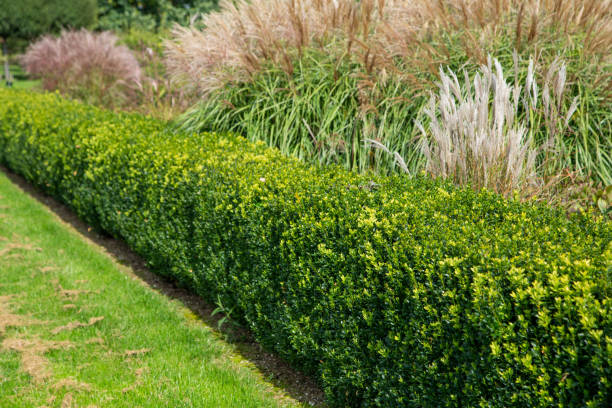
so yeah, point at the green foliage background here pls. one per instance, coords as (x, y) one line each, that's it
(28, 19)
(393, 292)
(152, 15)
(25, 20)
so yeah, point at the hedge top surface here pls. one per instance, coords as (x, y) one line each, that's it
(394, 291)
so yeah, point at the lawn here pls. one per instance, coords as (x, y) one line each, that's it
(20, 79)
(79, 329)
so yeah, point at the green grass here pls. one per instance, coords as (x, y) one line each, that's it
(187, 364)
(20, 79)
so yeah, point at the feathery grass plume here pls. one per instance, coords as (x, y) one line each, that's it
(481, 133)
(245, 36)
(539, 19)
(85, 65)
(474, 136)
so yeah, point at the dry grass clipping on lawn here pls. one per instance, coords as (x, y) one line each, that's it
(70, 294)
(12, 246)
(67, 401)
(71, 384)
(75, 325)
(32, 355)
(130, 353)
(9, 319)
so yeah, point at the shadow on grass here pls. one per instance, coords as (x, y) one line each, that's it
(296, 384)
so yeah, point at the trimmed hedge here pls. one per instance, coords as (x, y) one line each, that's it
(393, 292)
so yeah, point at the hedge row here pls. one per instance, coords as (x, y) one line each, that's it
(393, 292)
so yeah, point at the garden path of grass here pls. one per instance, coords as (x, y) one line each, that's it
(78, 329)
(20, 79)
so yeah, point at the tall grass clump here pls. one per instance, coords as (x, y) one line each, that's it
(480, 131)
(85, 65)
(318, 78)
(246, 36)
(317, 114)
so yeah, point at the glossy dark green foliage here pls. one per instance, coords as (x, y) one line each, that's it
(392, 291)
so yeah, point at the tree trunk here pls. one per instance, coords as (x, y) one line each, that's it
(7, 71)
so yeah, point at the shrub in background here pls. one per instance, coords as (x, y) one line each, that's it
(393, 292)
(124, 72)
(69, 14)
(85, 65)
(150, 15)
(28, 19)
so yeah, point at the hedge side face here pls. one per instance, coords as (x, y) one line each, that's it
(404, 293)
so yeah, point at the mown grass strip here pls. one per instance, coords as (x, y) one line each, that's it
(77, 331)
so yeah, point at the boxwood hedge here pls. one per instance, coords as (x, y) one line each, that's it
(393, 292)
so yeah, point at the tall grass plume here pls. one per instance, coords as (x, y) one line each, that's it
(86, 65)
(480, 132)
